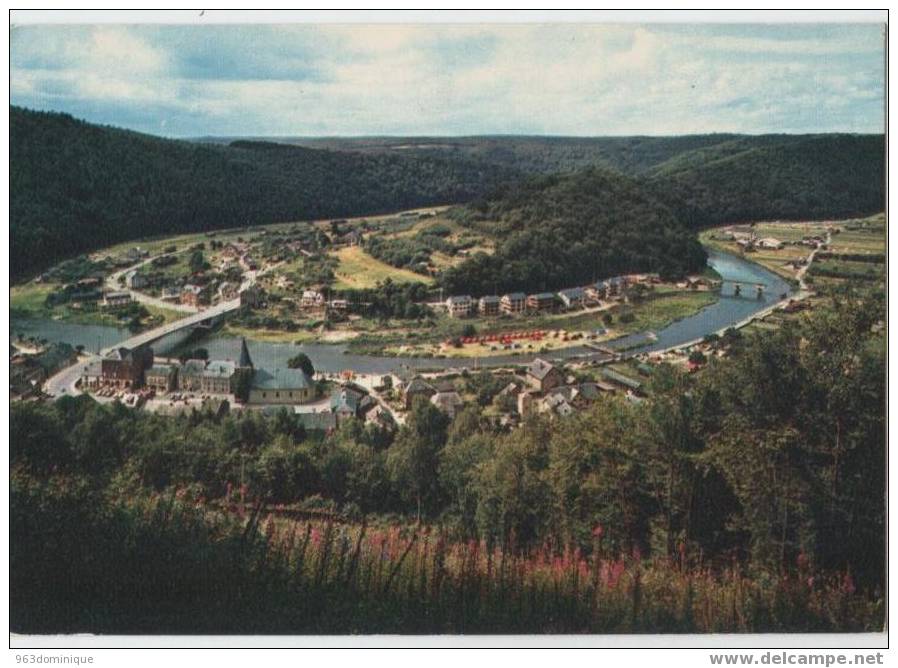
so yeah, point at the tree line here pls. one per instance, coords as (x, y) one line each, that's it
(77, 187)
(773, 455)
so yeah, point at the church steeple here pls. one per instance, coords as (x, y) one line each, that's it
(246, 362)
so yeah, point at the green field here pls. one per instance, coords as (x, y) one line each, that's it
(358, 271)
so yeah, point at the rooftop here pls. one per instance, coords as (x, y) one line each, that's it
(220, 369)
(539, 368)
(281, 379)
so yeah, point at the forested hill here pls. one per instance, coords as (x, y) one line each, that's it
(824, 176)
(635, 156)
(75, 187)
(559, 231)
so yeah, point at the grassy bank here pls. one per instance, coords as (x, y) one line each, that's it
(29, 301)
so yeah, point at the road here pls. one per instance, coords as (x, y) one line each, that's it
(112, 283)
(63, 382)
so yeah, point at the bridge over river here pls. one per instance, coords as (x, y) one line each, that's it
(207, 316)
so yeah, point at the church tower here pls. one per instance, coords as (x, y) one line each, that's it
(245, 362)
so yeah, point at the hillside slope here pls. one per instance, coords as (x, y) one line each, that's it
(559, 231)
(828, 176)
(75, 187)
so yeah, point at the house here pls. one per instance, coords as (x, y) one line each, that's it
(543, 376)
(190, 375)
(338, 304)
(123, 367)
(448, 402)
(770, 243)
(116, 299)
(459, 306)
(135, 280)
(170, 293)
(251, 296)
(513, 302)
(346, 402)
(352, 238)
(557, 403)
(597, 291)
(488, 305)
(542, 301)
(218, 377)
(417, 387)
(572, 297)
(312, 299)
(28, 372)
(137, 253)
(621, 380)
(194, 295)
(92, 375)
(283, 386)
(248, 263)
(162, 377)
(616, 286)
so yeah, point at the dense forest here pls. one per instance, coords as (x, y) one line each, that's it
(558, 231)
(706, 179)
(826, 177)
(749, 497)
(76, 187)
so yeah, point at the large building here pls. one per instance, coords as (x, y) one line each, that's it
(459, 306)
(543, 376)
(513, 302)
(282, 386)
(541, 301)
(488, 305)
(572, 297)
(120, 368)
(162, 377)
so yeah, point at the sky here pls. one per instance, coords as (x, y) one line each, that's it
(549, 79)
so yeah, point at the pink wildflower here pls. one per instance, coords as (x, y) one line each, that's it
(848, 584)
(597, 531)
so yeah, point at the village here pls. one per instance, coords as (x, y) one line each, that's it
(321, 400)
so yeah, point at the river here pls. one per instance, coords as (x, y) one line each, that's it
(727, 311)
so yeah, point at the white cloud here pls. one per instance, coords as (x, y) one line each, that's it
(557, 79)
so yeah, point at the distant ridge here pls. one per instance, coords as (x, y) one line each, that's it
(76, 187)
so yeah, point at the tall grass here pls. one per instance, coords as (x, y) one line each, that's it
(175, 564)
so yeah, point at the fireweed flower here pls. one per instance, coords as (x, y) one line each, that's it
(848, 584)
